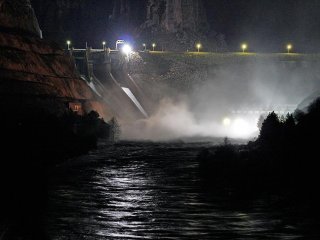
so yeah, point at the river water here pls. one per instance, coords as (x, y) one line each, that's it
(154, 191)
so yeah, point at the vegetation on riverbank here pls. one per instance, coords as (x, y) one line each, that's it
(59, 136)
(284, 156)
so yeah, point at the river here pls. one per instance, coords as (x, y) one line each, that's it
(154, 191)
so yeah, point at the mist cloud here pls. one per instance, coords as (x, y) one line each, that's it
(232, 92)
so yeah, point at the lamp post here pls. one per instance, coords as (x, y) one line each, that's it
(144, 46)
(244, 47)
(289, 47)
(104, 45)
(198, 46)
(68, 44)
(153, 46)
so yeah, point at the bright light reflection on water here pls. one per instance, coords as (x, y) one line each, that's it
(156, 194)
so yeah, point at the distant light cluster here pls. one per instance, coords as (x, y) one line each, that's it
(244, 46)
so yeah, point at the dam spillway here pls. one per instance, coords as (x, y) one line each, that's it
(213, 86)
(243, 81)
(134, 100)
(105, 72)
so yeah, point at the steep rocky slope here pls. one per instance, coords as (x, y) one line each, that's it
(174, 15)
(35, 73)
(179, 25)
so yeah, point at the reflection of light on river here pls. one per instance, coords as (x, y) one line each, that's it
(128, 203)
(152, 191)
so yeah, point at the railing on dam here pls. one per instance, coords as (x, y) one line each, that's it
(281, 109)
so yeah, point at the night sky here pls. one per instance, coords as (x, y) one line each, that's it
(266, 25)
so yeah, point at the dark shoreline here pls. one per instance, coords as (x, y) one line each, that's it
(282, 160)
(33, 144)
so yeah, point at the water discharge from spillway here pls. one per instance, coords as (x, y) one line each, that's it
(134, 100)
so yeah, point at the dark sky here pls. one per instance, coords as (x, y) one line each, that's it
(267, 25)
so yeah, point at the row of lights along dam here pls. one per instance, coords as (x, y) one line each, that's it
(198, 46)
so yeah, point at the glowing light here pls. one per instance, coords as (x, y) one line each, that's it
(134, 100)
(244, 47)
(242, 128)
(153, 46)
(127, 49)
(289, 47)
(68, 43)
(226, 122)
(145, 46)
(198, 46)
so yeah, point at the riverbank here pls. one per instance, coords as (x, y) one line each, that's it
(32, 144)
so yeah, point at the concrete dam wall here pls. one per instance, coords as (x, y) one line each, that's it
(238, 80)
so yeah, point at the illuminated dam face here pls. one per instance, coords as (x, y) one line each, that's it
(222, 94)
(105, 72)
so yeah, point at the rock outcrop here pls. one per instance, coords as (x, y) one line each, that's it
(36, 74)
(176, 15)
(179, 25)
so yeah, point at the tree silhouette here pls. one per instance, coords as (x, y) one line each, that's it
(270, 130)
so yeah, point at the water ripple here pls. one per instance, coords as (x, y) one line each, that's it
(152, 191)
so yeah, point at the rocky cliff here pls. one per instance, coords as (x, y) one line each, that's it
(174, 15)
(173, 24)
(35, 73)
(179, 25)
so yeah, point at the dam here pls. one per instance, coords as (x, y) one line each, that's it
(105, 72)
(214, 87)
